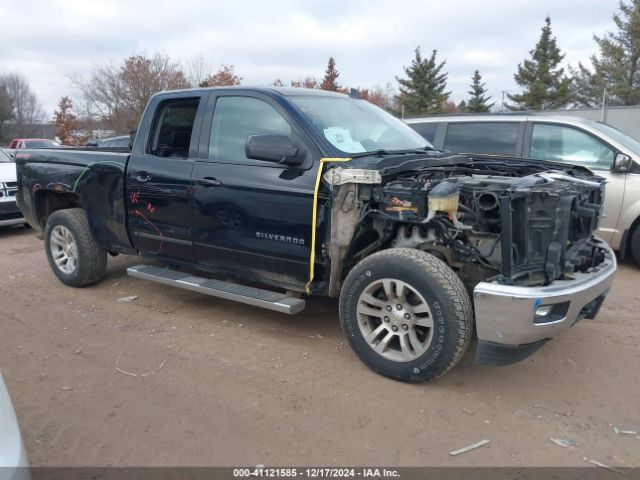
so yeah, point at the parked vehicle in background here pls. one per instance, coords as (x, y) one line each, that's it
(577, 141)
(10, 214)
(308, 191)
(120, 141)
(21, 143)
(13, 457)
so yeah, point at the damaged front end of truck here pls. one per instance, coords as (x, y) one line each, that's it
(519, 227)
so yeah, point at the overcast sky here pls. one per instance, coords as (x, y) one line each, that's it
(370, 40)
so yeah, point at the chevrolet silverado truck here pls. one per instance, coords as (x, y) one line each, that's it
(270, 196)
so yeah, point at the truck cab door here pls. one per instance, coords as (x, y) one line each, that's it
(252, 218)
(158, 180)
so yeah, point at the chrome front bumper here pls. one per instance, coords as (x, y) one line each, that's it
(506, 315)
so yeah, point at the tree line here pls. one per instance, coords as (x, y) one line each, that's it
(115, 95)
(613, 79)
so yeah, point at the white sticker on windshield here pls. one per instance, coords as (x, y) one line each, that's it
(341, 138)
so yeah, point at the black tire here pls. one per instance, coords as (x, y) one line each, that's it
(91, 261)
(634, 245)
(448, 304)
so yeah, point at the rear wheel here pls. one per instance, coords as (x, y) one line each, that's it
(406, 314)
(73, 254)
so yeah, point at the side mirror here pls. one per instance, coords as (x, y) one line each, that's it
(274, 148)
(622, 163)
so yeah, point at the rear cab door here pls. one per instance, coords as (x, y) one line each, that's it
(158, 179)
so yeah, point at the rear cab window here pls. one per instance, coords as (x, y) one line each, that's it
(172, 128)
(492, 138)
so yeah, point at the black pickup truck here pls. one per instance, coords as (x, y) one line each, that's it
(267, 195)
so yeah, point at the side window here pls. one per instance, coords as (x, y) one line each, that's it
(171, 134)
(427, 130)
(235, 119)
(566, 144)
(493, 138)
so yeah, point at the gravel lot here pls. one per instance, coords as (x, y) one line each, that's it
(178, 378)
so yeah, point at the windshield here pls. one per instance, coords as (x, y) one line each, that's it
(356, 126)
(629, 142)
(41, 144)
(4, 156)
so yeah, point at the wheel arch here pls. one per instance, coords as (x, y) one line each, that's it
(626, 244)
(49, 201)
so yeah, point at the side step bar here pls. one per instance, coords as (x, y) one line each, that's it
(280, 302)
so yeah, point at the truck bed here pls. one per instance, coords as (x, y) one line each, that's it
(91, 177)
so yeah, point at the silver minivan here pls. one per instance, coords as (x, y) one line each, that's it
(600, 147)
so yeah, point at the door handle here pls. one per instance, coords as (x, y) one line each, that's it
(209, 182)
(142, 177)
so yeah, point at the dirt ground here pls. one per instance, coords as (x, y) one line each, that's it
(220, 383)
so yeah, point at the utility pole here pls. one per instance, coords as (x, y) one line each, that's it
(604, 99)
(504, 92)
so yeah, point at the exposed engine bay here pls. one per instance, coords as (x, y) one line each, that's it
(518, 223)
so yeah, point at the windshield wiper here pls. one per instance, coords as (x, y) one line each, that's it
(383, 152)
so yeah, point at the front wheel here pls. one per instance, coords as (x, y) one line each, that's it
(73, 254)
(406, 314)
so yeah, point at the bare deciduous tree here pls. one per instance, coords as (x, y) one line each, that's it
(6, 112)
(373, 95)
(197, 69)
(306, 82)
(25, 110)
(119, 94)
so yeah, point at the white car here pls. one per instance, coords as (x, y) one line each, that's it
(10, 214)
(608, 152)
(13, 458)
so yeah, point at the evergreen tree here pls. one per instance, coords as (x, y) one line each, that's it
(463, 107)
(544, 82)
(65, 120)
(617, 68)
(423, 91)
(478, 100)
(329, 82)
